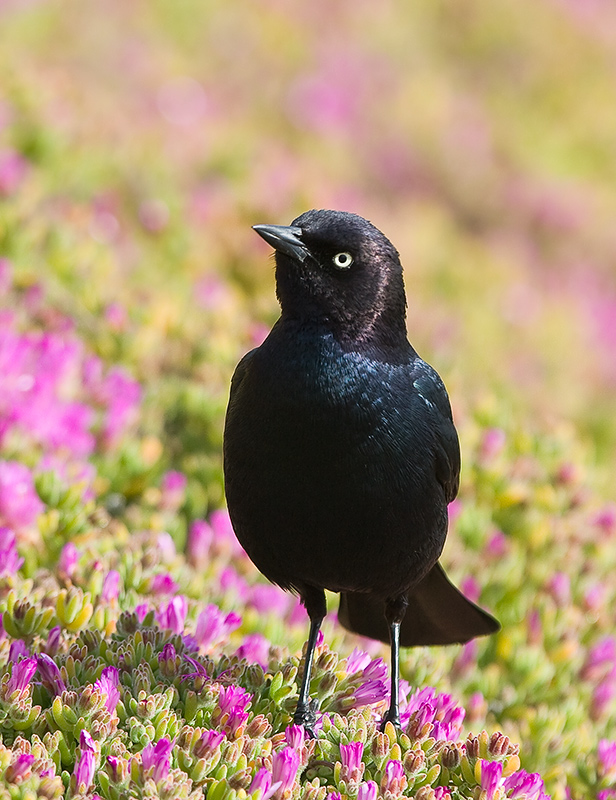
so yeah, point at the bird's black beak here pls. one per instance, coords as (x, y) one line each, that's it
(284, 239)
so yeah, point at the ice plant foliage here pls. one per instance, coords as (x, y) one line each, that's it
(141, 655)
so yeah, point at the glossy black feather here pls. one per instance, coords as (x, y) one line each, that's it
(340, 452)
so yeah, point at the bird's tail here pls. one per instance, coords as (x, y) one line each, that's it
(437, 613)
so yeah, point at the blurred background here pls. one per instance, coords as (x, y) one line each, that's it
(140, 140)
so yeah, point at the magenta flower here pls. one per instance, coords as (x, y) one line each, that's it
(173, 615)
(17, 651)
(224, 537)
(394, 780)
(262, 782)
(122, 397)
(10, 561)
(214, 626)
(51, 677)
(333, 796)
(84, 771)
(108, 685)
(53, 640)
(141, 611)
(156, 759)
(20, 769)
(111, 586)
(233, 697)
(267, 598)
(21, 675)
(367, 791)
(524, 786)
(491, 774)
(357, 661)
(163, 583)
(200, 538)
(208, 742)
(602, 698)
(294, 736)
(493, 442)
(606, 753)
(368, 693)
(255, 649)
(497, 545)
(19, 503)
(6, 275)
(69, 556)
(426, 705)
(352, 767)
(441, 793)
(285, 764)
(232, 583)
(600, 660)
(13, 168)
(605, 519)
(559, 587)
(173, 490)
(86, 742)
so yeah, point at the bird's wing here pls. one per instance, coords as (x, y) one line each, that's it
(431, 390)
(240, 372)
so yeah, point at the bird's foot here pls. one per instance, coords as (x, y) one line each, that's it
(306, 715)
(392, 716)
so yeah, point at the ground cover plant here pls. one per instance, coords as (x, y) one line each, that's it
(141, 654)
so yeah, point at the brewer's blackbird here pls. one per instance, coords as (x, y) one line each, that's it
(340, 452)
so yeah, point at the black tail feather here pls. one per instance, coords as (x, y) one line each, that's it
(437, 613)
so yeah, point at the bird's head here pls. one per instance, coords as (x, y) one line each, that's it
(336, 268)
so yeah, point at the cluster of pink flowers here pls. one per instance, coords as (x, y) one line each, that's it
(55, 396)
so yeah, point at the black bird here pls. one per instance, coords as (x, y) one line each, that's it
(340, 452)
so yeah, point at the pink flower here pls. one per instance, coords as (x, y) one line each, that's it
(111, 586)
(224, 535)
(21, 675)
(83, 773)
(163, 583)
(493, 442)
(200, 537)
(51, 677)
(13, 168)
(19, 503)
(108, 684)
(394, 780)
(255, 649)
(491, 774)
(173, 489)
(267, 598)
(285, 764)
(10, 561)
(69, 556)
(294, 736)
(522, 785)
(605, 519)
(367, 791)
(352, 767)
(156, 759)
(231, 714)
(262, 782)
(559, 587)
(173, 615)
(213, 626)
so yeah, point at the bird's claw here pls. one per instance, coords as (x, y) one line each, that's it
(392, 716)
(306, 715)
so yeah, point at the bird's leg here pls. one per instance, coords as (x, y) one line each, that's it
(305, 712)
(394, 614)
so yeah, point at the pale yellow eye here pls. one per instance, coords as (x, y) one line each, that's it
(343, 260)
